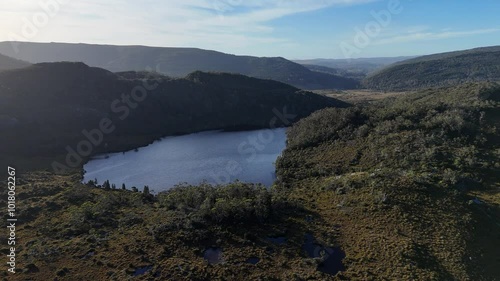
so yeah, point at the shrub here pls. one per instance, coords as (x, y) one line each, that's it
(231, 204)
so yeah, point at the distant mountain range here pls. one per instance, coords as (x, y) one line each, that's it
(46, 106)
(353, 74)
(356, 68)
(7, 63)
(176, 62)
(444, 69)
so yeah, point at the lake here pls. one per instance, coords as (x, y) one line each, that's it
(215, 157)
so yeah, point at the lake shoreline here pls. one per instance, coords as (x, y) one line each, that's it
(215, 156)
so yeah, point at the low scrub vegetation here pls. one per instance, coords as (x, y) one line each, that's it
(400, 174)
(231, 204)
(395, 184)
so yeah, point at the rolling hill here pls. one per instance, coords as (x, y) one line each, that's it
(177, 62)
(444, 69)
(399, 189)
(46, 106)
(411, 169)
(7, 63)
(355, 68)
(356, 75)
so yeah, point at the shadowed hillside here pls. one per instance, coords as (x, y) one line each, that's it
(445, 69)
(46, 106)
(7, 63)
(177, 62)
(401, 189)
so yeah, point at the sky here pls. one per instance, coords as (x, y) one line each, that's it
(294, 29)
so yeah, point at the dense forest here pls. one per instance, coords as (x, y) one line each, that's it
(401, 185)
(176, 62)
(445, 69)
(46, 107)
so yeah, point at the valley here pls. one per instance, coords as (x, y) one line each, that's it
(185, 163)
(359, 96)
(396, 184)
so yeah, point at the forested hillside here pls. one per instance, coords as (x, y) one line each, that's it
(402, 189)
(446, 69)
(46, 106)
(398, 180)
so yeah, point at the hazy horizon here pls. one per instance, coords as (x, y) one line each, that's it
(237, 54)
(332, 29)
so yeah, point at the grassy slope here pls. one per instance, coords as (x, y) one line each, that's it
(444, 69)
(390, 183)
(395, 177)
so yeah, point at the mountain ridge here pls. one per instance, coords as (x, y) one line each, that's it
(65, 98)
(7, 63)
(442, 69)
(176, 62)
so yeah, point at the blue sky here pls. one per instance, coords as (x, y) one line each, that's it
(295, 29)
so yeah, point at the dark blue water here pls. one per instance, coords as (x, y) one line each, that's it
(279, 240)
(213, 255)
(253, 260)
(215, 157)
(142, 270)
(331, 257)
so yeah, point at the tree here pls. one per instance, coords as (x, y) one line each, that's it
(123, 186)
(146, 190)
(106, 185)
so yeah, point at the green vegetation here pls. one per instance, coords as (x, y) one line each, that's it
(177, 62)
(446, 69)
(406, 186)
(82, 232)
(398, 175)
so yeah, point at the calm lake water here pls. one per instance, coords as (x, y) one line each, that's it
(215, 157)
